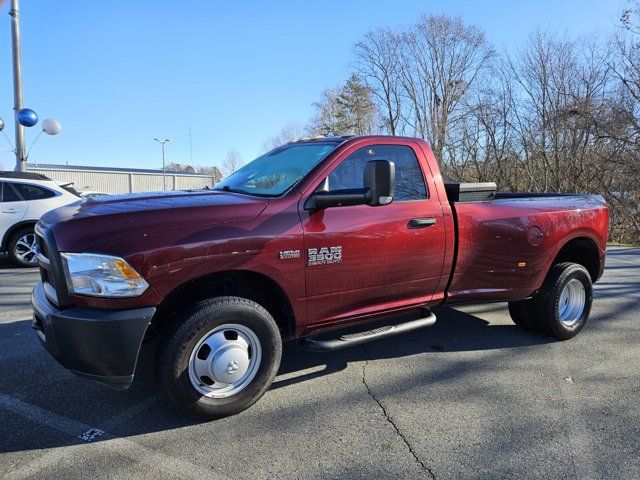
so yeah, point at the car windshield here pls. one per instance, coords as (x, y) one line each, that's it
(277, 171)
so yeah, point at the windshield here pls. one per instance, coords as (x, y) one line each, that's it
(275, 172)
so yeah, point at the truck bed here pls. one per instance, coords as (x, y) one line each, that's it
(504, 246)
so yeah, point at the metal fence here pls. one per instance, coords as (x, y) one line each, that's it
(112, 180)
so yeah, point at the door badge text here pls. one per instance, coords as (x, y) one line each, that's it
(324, 255)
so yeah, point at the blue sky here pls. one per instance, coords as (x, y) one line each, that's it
(116, 74)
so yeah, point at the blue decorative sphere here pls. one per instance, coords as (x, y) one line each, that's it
(27, 117)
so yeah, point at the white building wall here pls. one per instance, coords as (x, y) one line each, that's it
(123, 182)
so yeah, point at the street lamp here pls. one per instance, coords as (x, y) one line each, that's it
(164, 173)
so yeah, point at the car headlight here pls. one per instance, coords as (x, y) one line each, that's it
(101, 276)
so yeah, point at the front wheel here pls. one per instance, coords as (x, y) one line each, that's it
(220, 358)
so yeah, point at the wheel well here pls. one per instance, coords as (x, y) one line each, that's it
(582, 251)
(254, 286)
(14, 228)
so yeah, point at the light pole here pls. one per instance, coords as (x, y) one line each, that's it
(21, 154)
(164, 173)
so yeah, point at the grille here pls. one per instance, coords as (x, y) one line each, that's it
(45, 275)
(51, 279)
(48, 267)
(42, 246)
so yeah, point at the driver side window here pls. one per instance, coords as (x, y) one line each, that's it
(409, 180)
(350, 173)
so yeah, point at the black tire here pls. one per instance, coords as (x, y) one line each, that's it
(13, 254)
(547, 301)
(196, 322)
(522, 313)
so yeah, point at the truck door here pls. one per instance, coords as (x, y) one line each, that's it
(361, 259)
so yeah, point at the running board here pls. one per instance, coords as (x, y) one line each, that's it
(352, 339)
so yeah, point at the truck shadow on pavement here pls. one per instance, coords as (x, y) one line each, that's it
(44, 406)
(34, 387)
(454, 331)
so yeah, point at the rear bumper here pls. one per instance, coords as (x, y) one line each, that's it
(99, 344)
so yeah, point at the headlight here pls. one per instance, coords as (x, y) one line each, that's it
(101, 276)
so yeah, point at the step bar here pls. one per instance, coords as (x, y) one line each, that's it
(352, 339)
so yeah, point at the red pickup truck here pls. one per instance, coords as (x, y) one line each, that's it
(311, 237)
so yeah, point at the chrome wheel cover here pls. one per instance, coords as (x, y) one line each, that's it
(572, 302)
(225, 361)
(26, 249)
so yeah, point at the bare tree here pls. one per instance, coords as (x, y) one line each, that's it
(378, 62)
(288, 133)
(559, 115)
(232, 162)
(178, 167)
(442, 60)
(348, 109)
(626, 65)
(628, 46)
(212, 171)
(625, 127)
(564, 97)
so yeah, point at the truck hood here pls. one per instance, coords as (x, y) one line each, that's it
(82, 225)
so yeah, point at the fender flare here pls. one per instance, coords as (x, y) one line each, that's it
(9, 233)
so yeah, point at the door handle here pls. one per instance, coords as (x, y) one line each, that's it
(10, 211)
(421, 222)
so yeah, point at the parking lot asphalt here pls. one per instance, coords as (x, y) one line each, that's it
(472, 397)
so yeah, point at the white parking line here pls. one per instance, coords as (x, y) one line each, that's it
(128, 414)
(42, 416)
(116, 445)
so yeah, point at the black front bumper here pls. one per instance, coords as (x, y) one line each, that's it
(99, 344)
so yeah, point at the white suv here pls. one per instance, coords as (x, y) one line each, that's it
(24, 198)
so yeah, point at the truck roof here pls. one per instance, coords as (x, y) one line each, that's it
(344, 138)
(323, 139)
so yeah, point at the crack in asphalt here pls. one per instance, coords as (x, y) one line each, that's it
(389, 419)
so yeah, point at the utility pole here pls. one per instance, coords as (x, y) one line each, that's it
(21, 155)
(164, 172)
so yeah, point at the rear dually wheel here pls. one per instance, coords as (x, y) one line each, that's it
(561, 307)
(564, 301)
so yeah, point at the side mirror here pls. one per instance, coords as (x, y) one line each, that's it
(336, 198)
(380, 181)
(379, 184)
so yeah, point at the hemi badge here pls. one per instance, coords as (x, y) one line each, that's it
(287, 254)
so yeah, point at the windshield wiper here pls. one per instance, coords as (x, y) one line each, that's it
(227, 188)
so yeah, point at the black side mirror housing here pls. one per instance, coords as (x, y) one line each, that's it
(336, 198)
(380, 181)
(379, 185)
